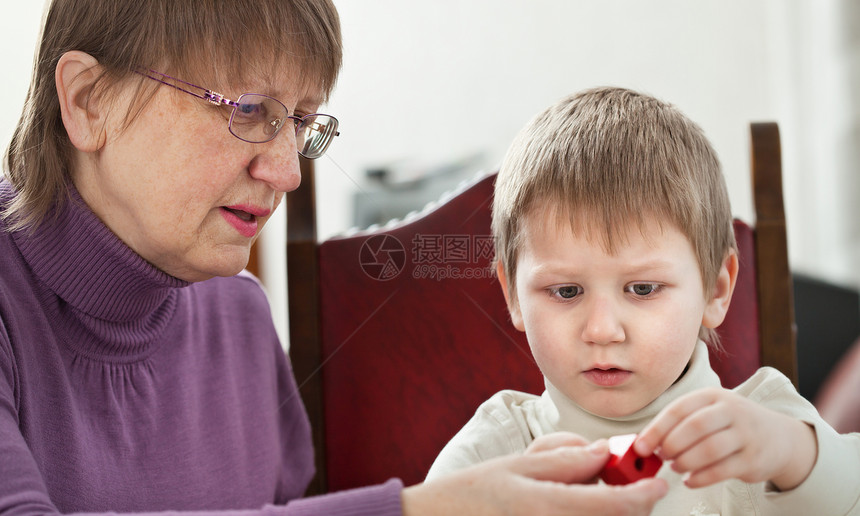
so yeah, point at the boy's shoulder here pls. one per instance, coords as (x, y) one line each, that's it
(771, 388)
(763, 382)
(511, 417)
(508, 403)
(502, 425)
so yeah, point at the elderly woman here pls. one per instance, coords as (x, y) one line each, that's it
(139, 369)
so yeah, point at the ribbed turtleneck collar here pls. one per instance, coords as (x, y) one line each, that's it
(570, 415)
(122, 300)
(84, 263)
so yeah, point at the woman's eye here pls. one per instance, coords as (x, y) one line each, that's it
(255, 111)
(643, 289)
(566, 292)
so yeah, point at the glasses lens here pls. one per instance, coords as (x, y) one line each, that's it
(257, 118)
(314, 134)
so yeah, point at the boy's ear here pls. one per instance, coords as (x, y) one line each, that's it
(718, 304)
(513, 306)
(76, 75)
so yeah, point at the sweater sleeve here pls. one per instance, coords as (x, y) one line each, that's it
(833, 485)
(381, 500)
(21, 485)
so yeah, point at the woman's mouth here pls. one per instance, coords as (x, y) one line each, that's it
(243, 219)
(244, 215)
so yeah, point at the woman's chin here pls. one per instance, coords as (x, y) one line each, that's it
(227, 266)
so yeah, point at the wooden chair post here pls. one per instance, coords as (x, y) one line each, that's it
(776, 305)
(303, 299)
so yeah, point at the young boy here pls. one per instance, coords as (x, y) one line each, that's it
(616, 256)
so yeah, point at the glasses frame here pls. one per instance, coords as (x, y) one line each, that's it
(220, 100)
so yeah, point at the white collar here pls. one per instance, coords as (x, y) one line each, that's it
(562, 413)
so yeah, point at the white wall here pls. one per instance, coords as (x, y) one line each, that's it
(439, 80)
(817, 76)
(434, 81)
(19, 31)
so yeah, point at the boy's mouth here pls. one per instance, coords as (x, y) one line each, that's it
(607, 377)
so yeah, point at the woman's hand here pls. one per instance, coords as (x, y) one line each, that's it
(559, 439)
(715, 434)
(551, 478)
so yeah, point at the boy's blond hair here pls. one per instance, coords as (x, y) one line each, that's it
(604, 159)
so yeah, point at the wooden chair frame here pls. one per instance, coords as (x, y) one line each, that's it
(777, 330)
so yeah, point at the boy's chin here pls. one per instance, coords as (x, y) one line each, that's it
(615, 409)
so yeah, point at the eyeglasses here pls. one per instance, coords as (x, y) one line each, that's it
(258, 118)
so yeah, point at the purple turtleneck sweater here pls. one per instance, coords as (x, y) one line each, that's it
(123, 389)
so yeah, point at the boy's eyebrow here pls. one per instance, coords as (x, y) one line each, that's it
(651, 265)
(561, 268)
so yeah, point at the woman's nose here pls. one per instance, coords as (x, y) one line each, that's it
(277, 163)
(603, 323)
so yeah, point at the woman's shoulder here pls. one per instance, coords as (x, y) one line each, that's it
(14, 272)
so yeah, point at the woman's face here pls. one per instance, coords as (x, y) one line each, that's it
(179, 189)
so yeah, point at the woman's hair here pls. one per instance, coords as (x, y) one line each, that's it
(608, 159)
(218, 42)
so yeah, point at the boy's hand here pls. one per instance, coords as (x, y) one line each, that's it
(715, 434)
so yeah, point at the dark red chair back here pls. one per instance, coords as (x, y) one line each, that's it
(415, 335)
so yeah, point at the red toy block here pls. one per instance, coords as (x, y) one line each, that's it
(625, 465)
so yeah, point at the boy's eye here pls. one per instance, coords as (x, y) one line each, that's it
(643, 289)
(566, 291)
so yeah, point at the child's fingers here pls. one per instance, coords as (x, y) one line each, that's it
(733, 466)
(709, 451)
(692, 432)
(653, 435)
(758, 452)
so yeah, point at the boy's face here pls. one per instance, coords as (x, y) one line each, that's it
(613, 332)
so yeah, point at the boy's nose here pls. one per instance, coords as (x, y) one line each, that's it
(602, 324)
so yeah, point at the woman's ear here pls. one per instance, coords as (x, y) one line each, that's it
(721, 297)
(513, 305)
(76, 76)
